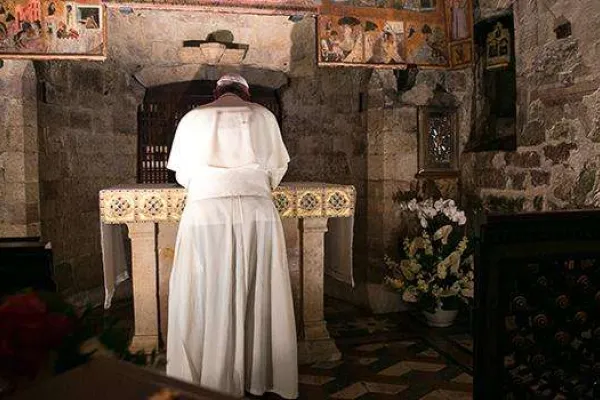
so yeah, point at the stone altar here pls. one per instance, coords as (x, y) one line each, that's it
(152, 213)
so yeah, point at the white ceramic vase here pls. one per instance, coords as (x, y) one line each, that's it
(440, 318)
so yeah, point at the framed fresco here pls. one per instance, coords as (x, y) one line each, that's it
(438, 142)
(257, 7)
(395, 33)
(53, 29)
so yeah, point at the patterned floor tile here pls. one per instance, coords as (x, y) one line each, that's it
(358, 389)
(327, 364)
(429, 353)
(463, 340)
(371, 347)
(463, 378)
(353, 391)
(366, 360)
(401, 344)
(384, 388)
(316, 380)
(442, 394)
(373, 325)
(404, 367)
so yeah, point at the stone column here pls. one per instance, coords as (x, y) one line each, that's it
(144, 280)
(167, 234)
(314, 343)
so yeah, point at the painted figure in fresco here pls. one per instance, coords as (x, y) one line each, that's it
(231, 317)
(51, 9)
(373, 48)
(351, 34)
(431, 49)
(391, 48)
(357, 53)
(459, 19)
(330, 48)
(412, 5)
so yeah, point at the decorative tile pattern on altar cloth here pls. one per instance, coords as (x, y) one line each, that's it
(145, 203)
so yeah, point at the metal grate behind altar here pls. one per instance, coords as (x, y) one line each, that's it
(160, 113)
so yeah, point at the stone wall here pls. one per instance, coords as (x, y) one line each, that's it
(392, 135)
(88, 116)
(19, 192)
(558, 101)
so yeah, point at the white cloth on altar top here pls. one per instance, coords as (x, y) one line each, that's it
(231, 314)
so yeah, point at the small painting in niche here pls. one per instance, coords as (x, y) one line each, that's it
(438, 143)
(498, 52)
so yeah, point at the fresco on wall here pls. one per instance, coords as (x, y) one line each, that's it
(361, 41)
(395, 33)
(268, 7)
(52, 29)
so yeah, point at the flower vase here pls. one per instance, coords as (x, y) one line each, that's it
(440, 318)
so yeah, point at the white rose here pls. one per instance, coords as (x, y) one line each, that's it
(412, 205)
(461, 218)
(449, 203)
(451, 212)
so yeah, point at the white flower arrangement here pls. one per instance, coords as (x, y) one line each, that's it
(435, 272)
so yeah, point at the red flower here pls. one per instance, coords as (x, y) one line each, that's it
(28, 332)
(27, 303)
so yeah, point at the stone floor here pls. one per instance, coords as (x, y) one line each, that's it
(386, 357)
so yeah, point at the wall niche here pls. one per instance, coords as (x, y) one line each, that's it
(494, 128)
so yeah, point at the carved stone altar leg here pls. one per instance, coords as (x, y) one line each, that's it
(143, 271)
(167, 233)
(314, 343)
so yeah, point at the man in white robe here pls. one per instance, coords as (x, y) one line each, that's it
(231, 316)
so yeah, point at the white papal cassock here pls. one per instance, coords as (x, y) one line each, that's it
(231, 315)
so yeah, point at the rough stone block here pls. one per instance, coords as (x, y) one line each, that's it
(16, 213)
(31, 167)
(32, 192)
(63, 275)
(14, 167)
(491, 178)
(527, 159)
(565, 129)
(81, 120)
(516, 181)
(32, 211)
(539, 178)
(8, 230)
(559, 153)
(585, 185)
(86, 80)
(533, 133)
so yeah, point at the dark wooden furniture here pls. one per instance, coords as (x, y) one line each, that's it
(537, 307)
(160, 113)
(104, 378)
(25, 263)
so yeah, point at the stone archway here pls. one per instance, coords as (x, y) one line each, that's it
(19, 172)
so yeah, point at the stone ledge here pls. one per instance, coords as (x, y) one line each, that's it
(165, 203)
